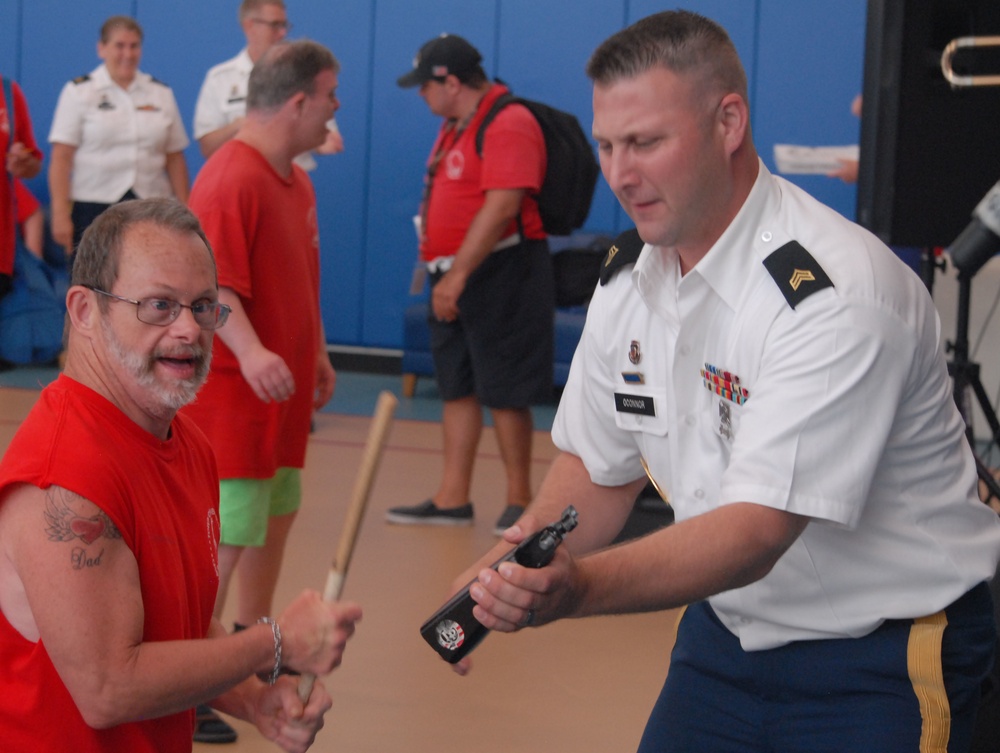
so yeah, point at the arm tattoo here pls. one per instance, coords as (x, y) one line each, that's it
(63, 524)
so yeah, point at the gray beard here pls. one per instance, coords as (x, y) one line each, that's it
(172, 399)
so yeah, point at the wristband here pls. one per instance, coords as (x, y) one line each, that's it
(276, 632)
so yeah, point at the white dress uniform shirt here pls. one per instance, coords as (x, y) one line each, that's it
(122, 136)
(839, 409)
(223, 95)
(223, 99)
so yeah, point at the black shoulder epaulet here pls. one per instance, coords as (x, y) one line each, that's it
(624, 251)
(796, 272)
(81, 79)
(155, 80)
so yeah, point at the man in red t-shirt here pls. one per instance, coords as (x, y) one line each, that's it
(109, 524)
(492, 295)
(271, 369)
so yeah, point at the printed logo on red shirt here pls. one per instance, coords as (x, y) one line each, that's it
(454, 164)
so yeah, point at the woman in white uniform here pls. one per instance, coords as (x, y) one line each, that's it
(116, 134)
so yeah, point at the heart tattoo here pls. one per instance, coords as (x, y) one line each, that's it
(63, 524)
(88, 529)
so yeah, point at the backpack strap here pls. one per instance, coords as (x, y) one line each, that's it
(8, 95)
(498, 104)
(501, 102)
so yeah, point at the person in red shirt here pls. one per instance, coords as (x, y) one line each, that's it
(22, 159)
(109, 524)
(492, 294)
(271, 369)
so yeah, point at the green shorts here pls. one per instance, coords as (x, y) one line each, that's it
(246, 504)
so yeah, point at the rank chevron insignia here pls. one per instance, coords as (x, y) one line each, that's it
(797, 274)
(800, 276)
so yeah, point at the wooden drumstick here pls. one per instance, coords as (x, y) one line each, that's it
(381, 423)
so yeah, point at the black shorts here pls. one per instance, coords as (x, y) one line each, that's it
(500, 349)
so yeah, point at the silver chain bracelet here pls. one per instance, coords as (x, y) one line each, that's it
(276, 632)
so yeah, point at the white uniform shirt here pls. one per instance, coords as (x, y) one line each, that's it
(122, 137)
(223, 95)
(223, 99)
(847, 418)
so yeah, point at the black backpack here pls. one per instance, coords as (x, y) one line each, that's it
(571, 172)
(577, 266)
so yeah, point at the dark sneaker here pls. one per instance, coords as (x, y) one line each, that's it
(209, 728)
(507, 518)
(429, 514)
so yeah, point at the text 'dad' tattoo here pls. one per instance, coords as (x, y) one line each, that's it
(81, 560)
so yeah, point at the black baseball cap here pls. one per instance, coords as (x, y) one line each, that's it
(445, 55)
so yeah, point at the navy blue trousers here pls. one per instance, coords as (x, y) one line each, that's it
(911, 685)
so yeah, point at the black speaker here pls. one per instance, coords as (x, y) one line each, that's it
(929, 151)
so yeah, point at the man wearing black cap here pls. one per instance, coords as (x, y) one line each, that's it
(492, 296)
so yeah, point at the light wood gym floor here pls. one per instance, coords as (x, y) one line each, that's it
(583, 686)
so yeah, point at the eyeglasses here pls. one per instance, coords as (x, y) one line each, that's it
(162, 311)
(273, 25)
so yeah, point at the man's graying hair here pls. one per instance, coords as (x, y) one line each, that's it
(97, 258)
(680, 41)
(286, 69)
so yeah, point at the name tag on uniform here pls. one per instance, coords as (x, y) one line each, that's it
(639, 404)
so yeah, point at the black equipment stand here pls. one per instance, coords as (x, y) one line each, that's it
(965, 375)
(930, 263)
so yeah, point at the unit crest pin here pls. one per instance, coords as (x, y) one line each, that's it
(634, 354)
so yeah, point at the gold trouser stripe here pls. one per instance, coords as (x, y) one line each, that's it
(677, 622)
(923, 659)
